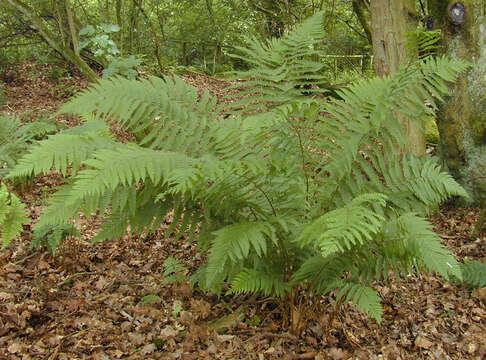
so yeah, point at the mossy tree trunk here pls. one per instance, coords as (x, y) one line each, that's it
(462, 120)
(390, 21)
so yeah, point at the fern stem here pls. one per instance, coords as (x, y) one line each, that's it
(301, 146)
(303, 165)
(262, 191)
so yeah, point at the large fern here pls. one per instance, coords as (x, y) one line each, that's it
(303, 194)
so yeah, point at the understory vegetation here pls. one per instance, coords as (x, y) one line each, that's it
(286, 193)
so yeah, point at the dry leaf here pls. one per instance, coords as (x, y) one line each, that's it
(423, 342)
(338, 354)
(148, 349)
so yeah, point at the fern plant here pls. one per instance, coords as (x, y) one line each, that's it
(302, 196)
(12, 216)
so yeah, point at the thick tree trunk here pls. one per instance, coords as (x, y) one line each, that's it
(390, 21)
(462, 120)
(64, 50)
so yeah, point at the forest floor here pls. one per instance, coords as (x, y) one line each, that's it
(90, 301)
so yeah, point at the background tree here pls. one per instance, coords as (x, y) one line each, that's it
(63, 45)
(462, 120)
(391, 20)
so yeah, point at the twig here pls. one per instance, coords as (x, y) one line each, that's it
(10, 291)
(72, 276)
(21, 261)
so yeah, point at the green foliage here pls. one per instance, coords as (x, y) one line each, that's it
(124, 66)
(15, 138)
(423, 42)
(97, 38)
(432, 135)
(174, 271)
(12, 216)
(283, 199)
(474, 273)
(281, 68)
(52, 236)
(151, 298)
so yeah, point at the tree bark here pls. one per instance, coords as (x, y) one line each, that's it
(51, 40)
(462, 120)
(390, 21)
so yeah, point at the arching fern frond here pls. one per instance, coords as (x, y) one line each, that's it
(281, 68)
(15, 138)
(162, 113)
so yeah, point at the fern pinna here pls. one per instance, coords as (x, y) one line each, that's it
(302, 197)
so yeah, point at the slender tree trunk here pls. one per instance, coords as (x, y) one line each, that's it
(118, 11)
(72, 28)
(154, 34)
(390, 21)
(132, 25)
(52, 40)
(462, 120)
(362, 10)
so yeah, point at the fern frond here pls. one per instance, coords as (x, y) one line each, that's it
(365, 298)
(12, 216)
(431, 254)
(344, 228)
(64, 151)
(52, 236)
(15, 138)
(419, 179)
(257, 281)
(163, 114)
(423, 42)
(233, 243)
(281, 67)
(474, 273)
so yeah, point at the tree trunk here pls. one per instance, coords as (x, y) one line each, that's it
(119, 21)
(462, 120)
(72, 28)
(390, 21)
(64, 50)
(157, 54)
(132, 27)
(362, 10)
